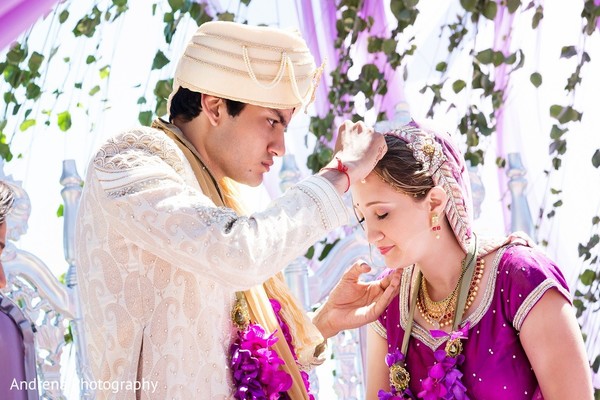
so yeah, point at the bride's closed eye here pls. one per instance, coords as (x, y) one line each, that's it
(382, 216)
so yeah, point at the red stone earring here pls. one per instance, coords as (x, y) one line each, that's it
(435, 227)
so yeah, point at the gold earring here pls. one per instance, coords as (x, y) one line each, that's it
(435, 227)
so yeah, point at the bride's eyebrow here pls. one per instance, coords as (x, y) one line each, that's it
(372, 203)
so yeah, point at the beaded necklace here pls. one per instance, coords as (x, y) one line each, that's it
(441, 313)
(449, 358)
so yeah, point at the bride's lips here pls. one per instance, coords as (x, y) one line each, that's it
(384, 250)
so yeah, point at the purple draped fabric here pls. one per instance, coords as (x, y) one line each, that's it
(321, 48)
(321, 45)
(502, 41)
(16, 16)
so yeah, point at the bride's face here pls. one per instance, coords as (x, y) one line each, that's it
(394, 222)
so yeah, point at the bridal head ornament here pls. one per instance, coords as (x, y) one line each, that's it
(438, 163)
(258, 65)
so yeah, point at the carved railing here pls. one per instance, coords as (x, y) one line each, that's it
(520, 215)
(50, 305)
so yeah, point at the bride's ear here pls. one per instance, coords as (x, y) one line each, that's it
(437, 199)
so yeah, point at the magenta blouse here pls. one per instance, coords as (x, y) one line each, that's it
(495, 365)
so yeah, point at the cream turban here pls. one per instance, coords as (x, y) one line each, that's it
(259, 65)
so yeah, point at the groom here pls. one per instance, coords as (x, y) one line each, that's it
(162, 244)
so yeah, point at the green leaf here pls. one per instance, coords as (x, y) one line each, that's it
(458, 85)
(490, 10)
(512, 5)
(87, 25)
(64, 121)
(9, 97)
(485, 56)
(90, 59)
(104, 72)
(310, 252)
(77, 85)
(537, 17)
(536, 79)
(441, 67)
(587, 277)
(35, 61)
(558, 146)
(226, 16)
(94, 90)
(198, 13)
(168, 17)
(33, 91)
(16, 54)
(568, 52)
(28, 123)
(564, 114)
(63, 16)
(5, 152)
(555, 110)
(145, 118)
(160, 60)
(595, 366)
(556, 163)
(161, 107)
(141, 100)
(580, 307)
(510, 60)
(596, 158)
(120, 3)
(61, 211)
(369, 73)
(411, 3)
(374, 44)
(245, 2)
(397, 8)
(556, 132)
(163, 88)
(389, 46)
(326, 249)
(497, 58)
(176, 4)
(557, 203)
(594, 240)
(469, 5)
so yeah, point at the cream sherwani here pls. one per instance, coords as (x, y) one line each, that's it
(159, 265)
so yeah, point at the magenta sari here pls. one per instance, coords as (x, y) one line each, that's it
(496, 366)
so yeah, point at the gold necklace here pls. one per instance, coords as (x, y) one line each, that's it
(441, 313)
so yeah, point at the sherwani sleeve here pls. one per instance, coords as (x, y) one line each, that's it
(142, 191)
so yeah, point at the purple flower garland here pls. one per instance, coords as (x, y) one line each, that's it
(255, 366)
(443, 377)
